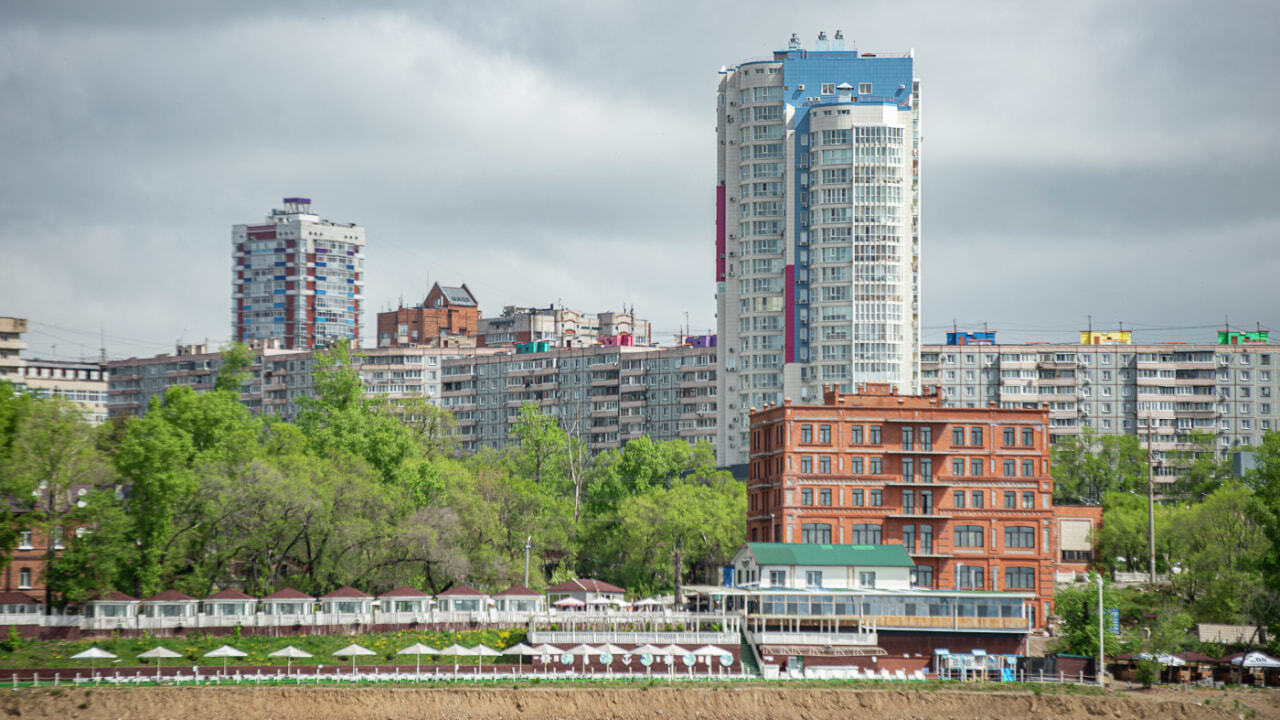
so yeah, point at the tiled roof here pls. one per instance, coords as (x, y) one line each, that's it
(405, 591)
(346, 592)
(520, 591)
(288, 594)
(17, 598)
(460, 590)
(586, 585)
(113, 596)
(168, 596)
(229, 594)
(837, 555)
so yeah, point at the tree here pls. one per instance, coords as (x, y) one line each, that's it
(1218, 544)
(1124, 540)
(434, 428)
(14, 407)
(237, 358)
(99, 555)
(1077, 609)
(1088, 467)
(1200, 470)
(542, 445)
(53, 454)
(1264, 479)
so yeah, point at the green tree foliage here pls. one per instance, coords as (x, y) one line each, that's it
(1200, 471)
(1087, 468)
(1264, 480)
(237, 358)
(1124, 540)
(1077, 609)
(1218, 545)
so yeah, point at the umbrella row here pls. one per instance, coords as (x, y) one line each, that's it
(354, 650)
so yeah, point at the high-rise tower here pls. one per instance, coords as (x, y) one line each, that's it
(297, 279)
(817, 228)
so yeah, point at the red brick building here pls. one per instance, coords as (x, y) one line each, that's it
(447, 318)
(966, 490)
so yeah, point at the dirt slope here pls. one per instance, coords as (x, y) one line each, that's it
(747, 703)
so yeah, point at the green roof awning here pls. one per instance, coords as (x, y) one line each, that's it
(823, 554)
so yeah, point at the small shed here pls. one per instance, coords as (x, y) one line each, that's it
(288, 602)
(346, 600)
(462, 598)
(519, 598)
(405, 599)
(587, 590)
(170, 604)
(112, 604)
(229, 603)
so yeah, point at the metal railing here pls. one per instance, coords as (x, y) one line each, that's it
(626, 637)
(773, 637)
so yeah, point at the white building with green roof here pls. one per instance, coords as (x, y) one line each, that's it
(800, 566)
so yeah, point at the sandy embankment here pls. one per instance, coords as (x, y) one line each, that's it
(748, 703)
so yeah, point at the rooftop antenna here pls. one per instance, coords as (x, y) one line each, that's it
(102, 349)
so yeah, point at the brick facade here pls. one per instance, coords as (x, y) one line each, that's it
(967, 490)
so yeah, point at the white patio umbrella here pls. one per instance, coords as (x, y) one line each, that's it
(456, 650)
(92, 654)
(569, 602)
(483, 651)
(289, 652)
(1256, 660)
(710, 652)
(547, 650)
(224, 652)
(353, 651)
(159, 653)
(419, 650)
(520, 650)
(611, 649)
(584, 650)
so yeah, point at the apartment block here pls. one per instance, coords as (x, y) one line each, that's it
(817, 227)
(297, 279)
(967, 491)
(448, 317)
(1162, 390)
(563, 327)
(606, 395)
(84, 384)
(11, 346)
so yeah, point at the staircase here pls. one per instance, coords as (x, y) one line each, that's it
(748, 657)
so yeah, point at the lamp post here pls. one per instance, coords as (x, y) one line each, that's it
(1101, 638)
(528, 543)
(1151, 507)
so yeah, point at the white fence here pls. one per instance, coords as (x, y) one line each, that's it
(565, 637)
(823, 639)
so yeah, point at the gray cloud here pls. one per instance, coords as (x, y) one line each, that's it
(1098, 158)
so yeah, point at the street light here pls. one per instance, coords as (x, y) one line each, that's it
(1151, 507)
(1101, 638)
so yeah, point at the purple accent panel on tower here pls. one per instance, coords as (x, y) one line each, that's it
(789, 302)
(720, 243)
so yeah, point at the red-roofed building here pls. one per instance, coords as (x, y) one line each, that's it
(346, 601)
(169, 607)
(18, 608)
(462, 598)
(405, 599)
(110, 609)
(229, 603)
(288, 602)
(519, 598)
(587, 590)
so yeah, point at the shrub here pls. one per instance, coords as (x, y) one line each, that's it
(1147, 672)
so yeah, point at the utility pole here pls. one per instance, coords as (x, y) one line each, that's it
(1151, 507)
(528, 543)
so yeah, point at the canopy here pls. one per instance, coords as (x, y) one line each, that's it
(647, 650)
(569, 602)
(1163, 659)
(226, 651)
(352, 650)
(545, 649)
(159, 652)
(522, 649)
(674, 650)
(456, 649)
(611, 649)
(93, 653)
(709, 650)
(290, 652)
(584, 649)
(485, 651)
(418, 649)
(1256, 660)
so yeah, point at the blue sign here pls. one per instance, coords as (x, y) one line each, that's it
(726, 575)
(1115, 620)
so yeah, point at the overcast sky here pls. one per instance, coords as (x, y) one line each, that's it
(1119, 160)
